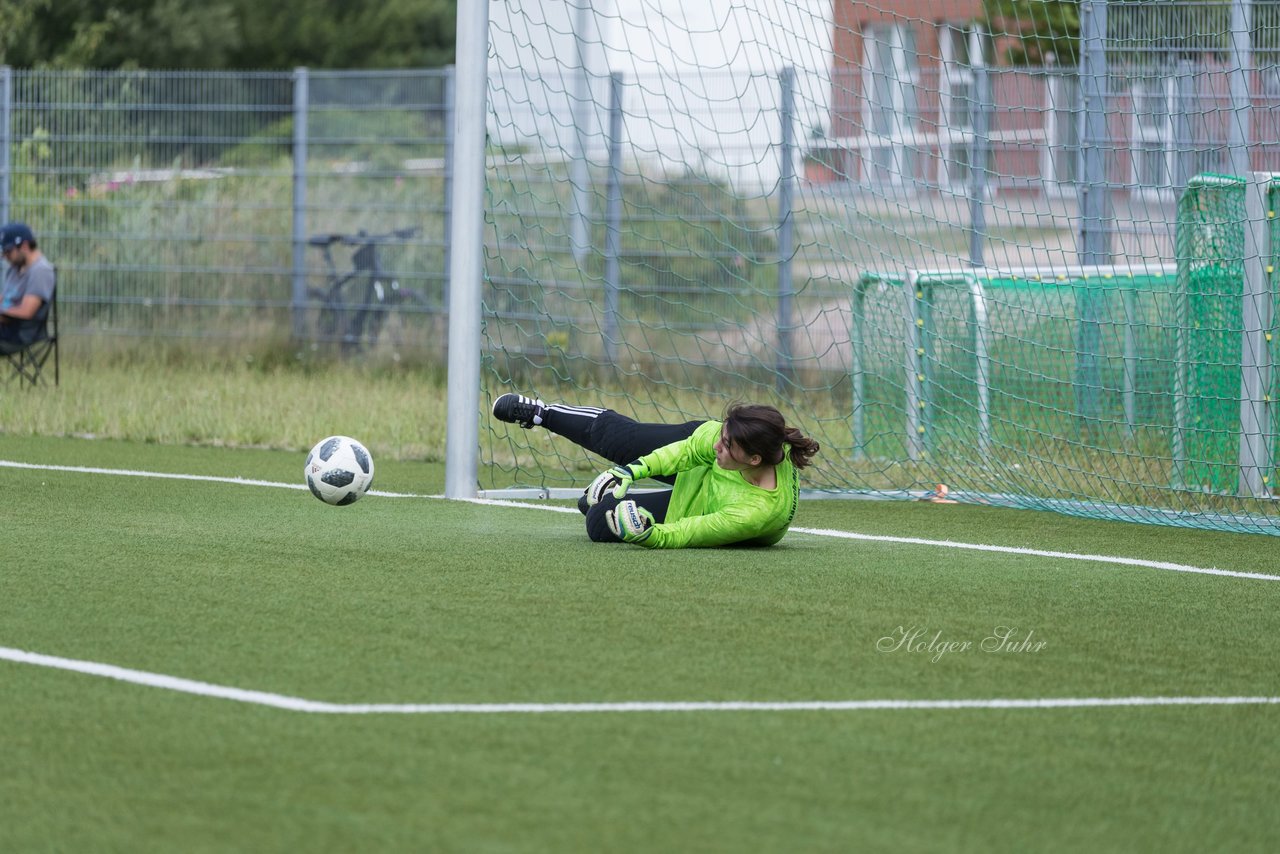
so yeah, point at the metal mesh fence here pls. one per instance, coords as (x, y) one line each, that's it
(189, 204)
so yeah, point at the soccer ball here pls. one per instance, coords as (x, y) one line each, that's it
(339, 470)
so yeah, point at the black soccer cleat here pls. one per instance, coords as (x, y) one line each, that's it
(518, 409)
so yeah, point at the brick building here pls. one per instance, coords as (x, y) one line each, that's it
(904, 80)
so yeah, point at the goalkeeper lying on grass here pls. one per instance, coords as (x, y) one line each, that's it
(733, 481)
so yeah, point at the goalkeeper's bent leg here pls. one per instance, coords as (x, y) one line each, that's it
(598, 529)
(615, 437)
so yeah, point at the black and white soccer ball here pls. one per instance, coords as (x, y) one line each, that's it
(339, 470)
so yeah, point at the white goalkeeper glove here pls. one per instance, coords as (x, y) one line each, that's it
(616, 480)
(630, 522)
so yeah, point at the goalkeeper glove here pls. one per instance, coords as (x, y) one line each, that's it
(630, 522)
(618, 479)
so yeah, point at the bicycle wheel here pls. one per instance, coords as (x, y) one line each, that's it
(325, 316)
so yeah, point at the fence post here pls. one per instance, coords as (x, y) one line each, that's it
(982, 361)
(1185, 165)
(1181, 351)
(613, 222)
(298, 299)
(1238, 83)
(1184, 106)
(786, 222)
(1095, 204)
(978, 154)
(6, 137)
(462, 435)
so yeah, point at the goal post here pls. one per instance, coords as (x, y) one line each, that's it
(466, 244)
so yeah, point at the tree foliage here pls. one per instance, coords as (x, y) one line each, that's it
(1031, 30)
(346, 33)
(227, 34)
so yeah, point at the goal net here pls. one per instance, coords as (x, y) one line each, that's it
(1013, 249)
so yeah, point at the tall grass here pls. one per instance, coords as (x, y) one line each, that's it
(269, 399)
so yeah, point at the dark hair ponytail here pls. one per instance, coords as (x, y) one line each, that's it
(802, 447)
(760, 430)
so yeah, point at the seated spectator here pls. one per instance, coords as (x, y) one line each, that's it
(28, 287)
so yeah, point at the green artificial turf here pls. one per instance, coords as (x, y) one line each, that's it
(420, 600)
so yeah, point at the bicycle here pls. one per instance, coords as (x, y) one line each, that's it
(356, 324)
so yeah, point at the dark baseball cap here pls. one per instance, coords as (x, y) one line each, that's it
(14, 235)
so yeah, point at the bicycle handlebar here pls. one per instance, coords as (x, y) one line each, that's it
(362, 238)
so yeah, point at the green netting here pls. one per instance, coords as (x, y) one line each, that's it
(677, 245)
(1211, 242)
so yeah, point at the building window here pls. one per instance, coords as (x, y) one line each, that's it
(1061, 156)
(890, 113)
(964, 47)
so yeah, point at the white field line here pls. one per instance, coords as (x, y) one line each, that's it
(170, 476)
(817, 532)
(300, 704)
(1015, 550)
(528, 505)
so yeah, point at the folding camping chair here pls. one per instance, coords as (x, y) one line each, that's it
(27, 363)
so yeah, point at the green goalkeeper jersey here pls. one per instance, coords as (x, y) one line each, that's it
(714, 507)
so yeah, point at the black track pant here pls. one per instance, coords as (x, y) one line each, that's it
(621, 440)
